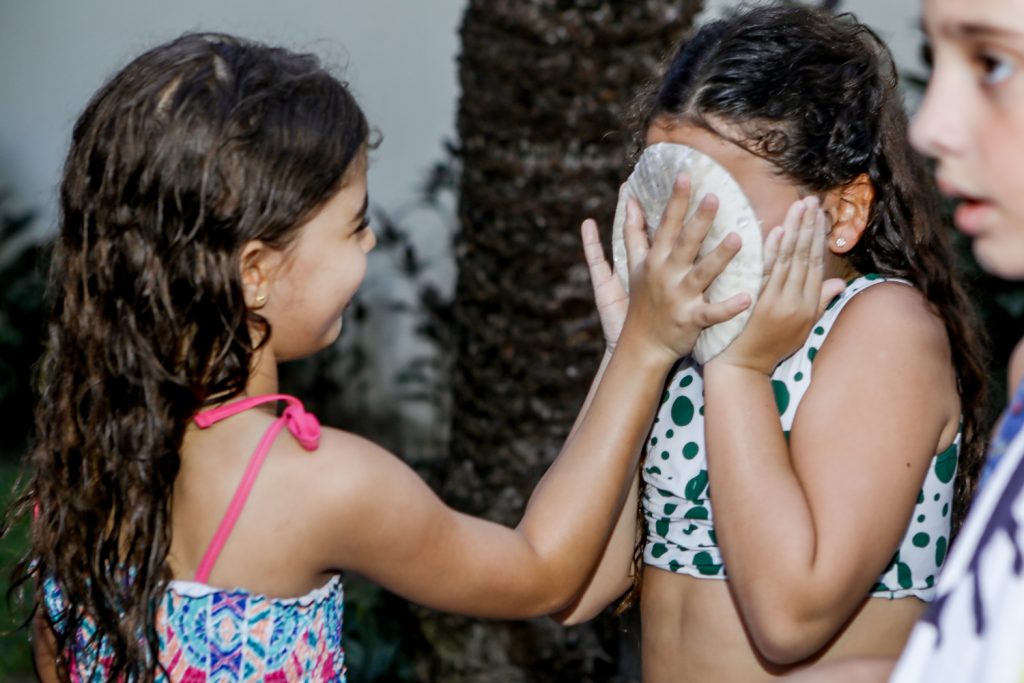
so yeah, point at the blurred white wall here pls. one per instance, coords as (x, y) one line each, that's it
(399, 56)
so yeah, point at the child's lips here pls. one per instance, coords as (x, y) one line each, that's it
(972, 215)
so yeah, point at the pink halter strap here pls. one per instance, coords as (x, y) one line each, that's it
(303, 426)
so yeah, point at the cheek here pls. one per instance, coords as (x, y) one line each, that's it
(1001, 250)
(1001, 146)
(772, 208)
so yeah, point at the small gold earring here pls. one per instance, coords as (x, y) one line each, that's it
(260, 301)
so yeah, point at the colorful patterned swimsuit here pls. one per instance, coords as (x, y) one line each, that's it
(677, 500)
(215, 634)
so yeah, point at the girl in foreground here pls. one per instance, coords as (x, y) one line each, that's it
(831, 448)
(214, 223)
(972, 123)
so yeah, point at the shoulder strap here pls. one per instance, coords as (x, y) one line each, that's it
(303, 426)
(853, 288)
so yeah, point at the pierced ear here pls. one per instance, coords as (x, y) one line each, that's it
(849, 209)
(255, 267)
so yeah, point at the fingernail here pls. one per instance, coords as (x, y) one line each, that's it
(733, 241)
(682, 181)
(811, 202)
(709, 200)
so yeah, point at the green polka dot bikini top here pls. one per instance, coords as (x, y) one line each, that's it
(676, 497)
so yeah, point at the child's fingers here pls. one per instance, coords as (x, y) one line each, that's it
(771, 248)
(600, 271)
(784, 256)
(712, 264)
(830, 289)
(673, 217)
(816, 259)
(687, 244)
(709, 314)
(796, 279)
(634, 234)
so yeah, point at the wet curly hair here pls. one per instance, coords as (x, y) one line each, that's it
(190, 151)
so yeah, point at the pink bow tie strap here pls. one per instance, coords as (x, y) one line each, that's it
(302, 425)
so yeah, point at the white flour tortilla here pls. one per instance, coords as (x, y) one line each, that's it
(651, 184)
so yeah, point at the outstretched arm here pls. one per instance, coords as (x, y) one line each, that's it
(390, 527)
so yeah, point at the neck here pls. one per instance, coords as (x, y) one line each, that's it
(263, 378)
(838, 267)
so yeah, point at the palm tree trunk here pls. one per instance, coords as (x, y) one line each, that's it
(543, 143)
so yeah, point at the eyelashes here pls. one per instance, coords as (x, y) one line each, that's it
(995, 70)
(992, 69)
(927, 55)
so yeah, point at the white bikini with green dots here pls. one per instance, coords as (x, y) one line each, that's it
(676, 497)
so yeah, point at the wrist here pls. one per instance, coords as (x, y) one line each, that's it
(641, 349)
(737, 367)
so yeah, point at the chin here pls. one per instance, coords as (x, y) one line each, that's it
(1001, 258)
(332, 334)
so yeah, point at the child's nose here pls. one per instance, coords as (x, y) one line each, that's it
(369, 240)
(937, 128)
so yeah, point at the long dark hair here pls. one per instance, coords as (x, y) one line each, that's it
(195, 148)
(818, 96)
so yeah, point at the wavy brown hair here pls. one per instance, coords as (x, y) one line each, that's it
(818, 96)
(193, 149)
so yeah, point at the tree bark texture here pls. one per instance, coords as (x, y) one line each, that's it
(544, 142)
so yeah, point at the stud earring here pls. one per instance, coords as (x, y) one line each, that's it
(260, 301)
(840, 242)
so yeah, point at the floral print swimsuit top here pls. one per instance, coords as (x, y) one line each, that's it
(677, 500)
(216, 634)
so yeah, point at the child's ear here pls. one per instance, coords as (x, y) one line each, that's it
(849, 209)
(257, 264)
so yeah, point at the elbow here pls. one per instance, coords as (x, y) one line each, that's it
(554, 599)
(570, 618)
(782, 647)
(576, 614)
(591, 602)
(786, 638)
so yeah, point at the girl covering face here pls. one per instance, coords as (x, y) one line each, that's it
(798, 491)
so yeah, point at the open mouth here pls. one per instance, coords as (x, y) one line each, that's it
(972, 212)
(972, 215)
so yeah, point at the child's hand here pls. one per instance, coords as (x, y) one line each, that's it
(666, 304)
(793, 296)
(609, 294)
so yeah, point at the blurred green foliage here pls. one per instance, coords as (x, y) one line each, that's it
(23, 264)
(15, 655)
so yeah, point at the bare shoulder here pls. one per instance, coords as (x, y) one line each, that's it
(895, 316)
(350, 490)
(343, 468)
(889, 343)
